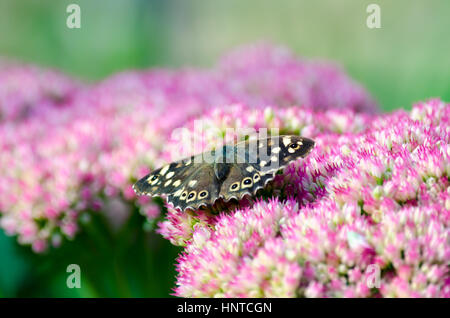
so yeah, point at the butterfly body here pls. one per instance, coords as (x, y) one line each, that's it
(230, 172)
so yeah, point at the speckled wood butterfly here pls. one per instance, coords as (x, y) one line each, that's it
(231, 172)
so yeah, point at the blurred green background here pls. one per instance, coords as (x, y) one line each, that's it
(407, 60)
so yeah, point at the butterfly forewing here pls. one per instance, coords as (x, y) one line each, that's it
(261, 160)
(199, 189)
(166, 179)
(277, 152)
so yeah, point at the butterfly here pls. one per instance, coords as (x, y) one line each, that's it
(229, 172)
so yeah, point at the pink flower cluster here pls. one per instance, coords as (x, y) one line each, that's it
(67, 149)
(366, 214)
(261, 75)
(27, 90)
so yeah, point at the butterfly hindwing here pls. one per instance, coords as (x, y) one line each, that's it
(261, 160)
(199, 189)
(242, 179)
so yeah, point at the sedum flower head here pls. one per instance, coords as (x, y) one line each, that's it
(366, 214)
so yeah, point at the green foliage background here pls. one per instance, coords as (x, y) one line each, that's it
(407, 60)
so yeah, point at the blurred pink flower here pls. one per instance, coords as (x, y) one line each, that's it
(27, 90)
(266, 76)
(67, 148)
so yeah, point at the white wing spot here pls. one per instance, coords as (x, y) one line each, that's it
(167, 183)
(286, 141)
(177, 183)
(274, 158)
(263, 163)
(276, 150)
(249, 169)
(164, 170)
(192, 183)
(170, 175)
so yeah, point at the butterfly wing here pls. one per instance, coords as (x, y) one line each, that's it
(198, 189)
(275, 153)
(255, 168)
(243, 179)
(166, 179)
